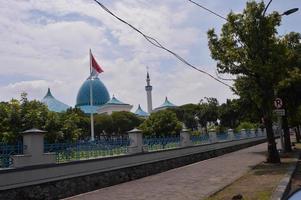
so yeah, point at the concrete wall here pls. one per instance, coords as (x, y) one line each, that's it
(53, 181)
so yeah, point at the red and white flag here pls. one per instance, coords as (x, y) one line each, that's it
(95, 67)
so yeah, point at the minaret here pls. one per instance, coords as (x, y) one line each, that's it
(148, 89)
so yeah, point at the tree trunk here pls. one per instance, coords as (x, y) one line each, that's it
(273, 155)
(286, 135)
(297, 134)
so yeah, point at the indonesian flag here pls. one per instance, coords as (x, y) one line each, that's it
(95, 67)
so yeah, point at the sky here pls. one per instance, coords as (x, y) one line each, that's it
(46, 44)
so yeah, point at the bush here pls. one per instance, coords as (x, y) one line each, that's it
(246, 125)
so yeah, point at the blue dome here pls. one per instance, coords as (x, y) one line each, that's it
(99, 91)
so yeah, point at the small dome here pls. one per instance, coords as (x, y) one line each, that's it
(166, 104)
(115, 101)
(140, 112)
(99, 91)
(54, 104)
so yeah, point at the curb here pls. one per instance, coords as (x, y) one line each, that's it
(284, 186)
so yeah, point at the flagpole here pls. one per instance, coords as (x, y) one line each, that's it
(91, 100)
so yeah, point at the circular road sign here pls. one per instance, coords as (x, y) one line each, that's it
(278, 103)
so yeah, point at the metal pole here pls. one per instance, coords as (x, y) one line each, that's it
(91, 102)
(281, 133)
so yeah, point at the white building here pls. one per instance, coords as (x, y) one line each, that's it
(114, 105)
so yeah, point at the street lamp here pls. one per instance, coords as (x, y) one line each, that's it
(290, 11)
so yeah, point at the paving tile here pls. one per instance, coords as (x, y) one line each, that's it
(191, 182)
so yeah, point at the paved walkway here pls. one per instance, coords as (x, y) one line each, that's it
(191, 182)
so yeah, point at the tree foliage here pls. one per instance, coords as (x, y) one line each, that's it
(249, 48)
(17, 116)
(161, 123)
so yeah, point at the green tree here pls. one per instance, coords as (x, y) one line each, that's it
(33, 113)
(161, 123)
(11, 121)
(74, 125)
(249, 48)
(229, 113)
(289, 88)
(187, 114)
(103, 124)
(208, 111)
(53, 127)
(124, 121)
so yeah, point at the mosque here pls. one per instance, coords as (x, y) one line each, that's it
(102, 103)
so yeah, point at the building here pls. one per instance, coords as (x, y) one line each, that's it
(141, 113)
(165, 105)
(100, 95)
(148, 89)
(102, 103)
(114, 105)
(53, 104)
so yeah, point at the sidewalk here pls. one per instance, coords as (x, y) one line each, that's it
(191, 182)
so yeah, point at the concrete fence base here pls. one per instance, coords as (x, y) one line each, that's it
(72, 186)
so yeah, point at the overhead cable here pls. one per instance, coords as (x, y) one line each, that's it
(154, 42)
(199, 5)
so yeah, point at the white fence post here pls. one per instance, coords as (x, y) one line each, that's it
(33, 150)
(212, 135)
(136, 141)
(231, 134)
(185, 140)
(243, 133)
(252, 133)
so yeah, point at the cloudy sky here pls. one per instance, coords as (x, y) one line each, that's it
(45, 43)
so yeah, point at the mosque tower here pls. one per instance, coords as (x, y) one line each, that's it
(148, 89)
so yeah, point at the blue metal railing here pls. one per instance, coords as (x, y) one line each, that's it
(6, 151)
(223, 136)
(106, 147)
(238, 136)
(86, 150)
(200, 139)
(159, 143)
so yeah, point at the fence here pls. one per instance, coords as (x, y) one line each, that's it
(6, 152)
(160, 143)
(66, 152)
(11, 155)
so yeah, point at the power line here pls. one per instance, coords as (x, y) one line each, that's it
(220, 16)
(199, 5)
(154, 42)
(224, 79)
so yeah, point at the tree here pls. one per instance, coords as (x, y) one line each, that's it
(124, 121)
(74, 125)
(186, 114)
(53, 127)
(103, 124)
(208, 111)
(249, 48)
(161, 123)
(229, 113)
(289, 88)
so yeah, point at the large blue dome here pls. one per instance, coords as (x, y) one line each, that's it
(100, 93)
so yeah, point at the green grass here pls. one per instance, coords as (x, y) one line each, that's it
(88, 154)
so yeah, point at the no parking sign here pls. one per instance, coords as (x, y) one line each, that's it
(278, 103)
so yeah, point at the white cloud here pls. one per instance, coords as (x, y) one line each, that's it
(49, 41)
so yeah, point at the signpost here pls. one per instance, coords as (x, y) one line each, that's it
(278, 103)
(280, 112)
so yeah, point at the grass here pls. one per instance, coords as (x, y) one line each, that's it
(259, 183)
(88, 154)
